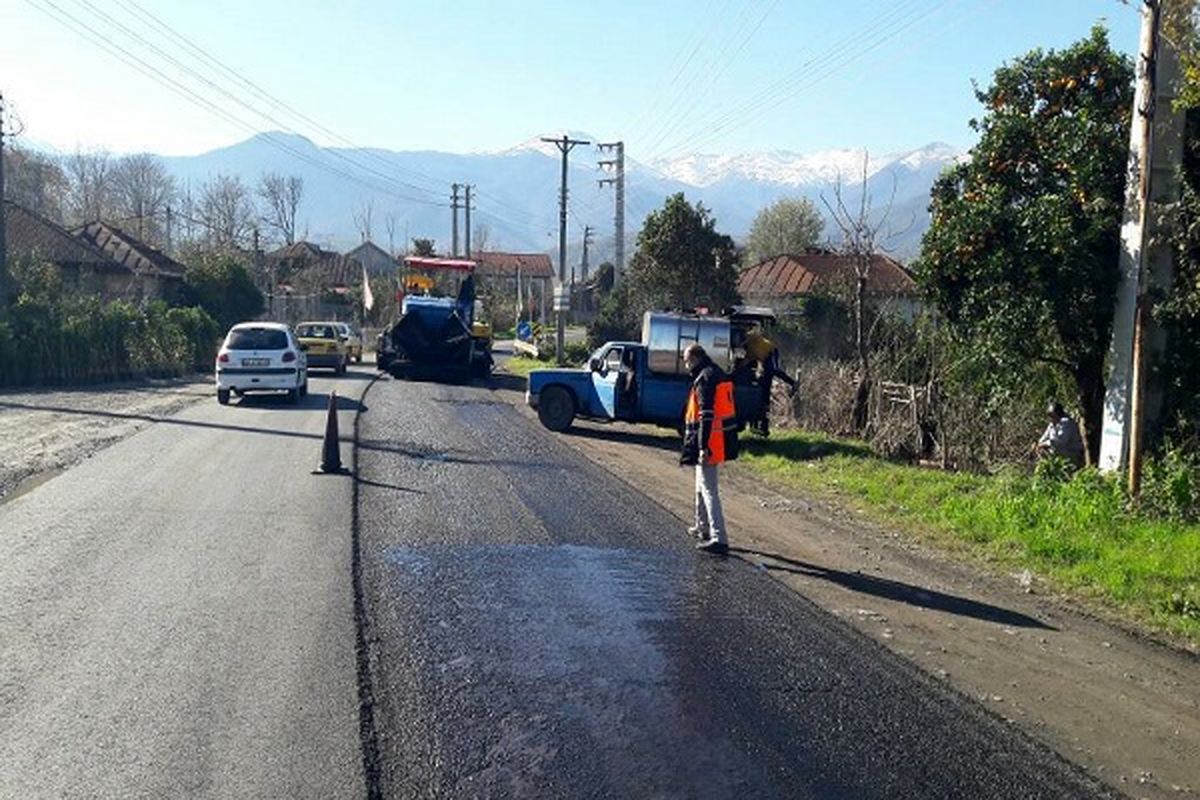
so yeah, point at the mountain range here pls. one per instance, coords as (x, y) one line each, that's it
(515, 191)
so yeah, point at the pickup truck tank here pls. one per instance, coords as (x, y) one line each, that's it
(666, 335)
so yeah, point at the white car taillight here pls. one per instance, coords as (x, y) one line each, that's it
(223, 358)
(289, 356)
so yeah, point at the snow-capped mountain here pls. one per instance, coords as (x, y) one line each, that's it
(796, 169)
(515, 196)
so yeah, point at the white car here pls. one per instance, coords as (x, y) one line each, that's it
(261, 357)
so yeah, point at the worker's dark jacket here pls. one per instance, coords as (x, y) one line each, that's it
(710, 416)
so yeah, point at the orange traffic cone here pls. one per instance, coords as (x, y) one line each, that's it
(331, 456)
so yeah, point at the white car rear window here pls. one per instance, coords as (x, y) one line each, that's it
(256, 339)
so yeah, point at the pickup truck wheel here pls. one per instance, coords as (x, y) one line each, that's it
(556, 408)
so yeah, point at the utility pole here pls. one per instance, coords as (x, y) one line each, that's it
(454, 220)
(617, 163)
(169, 220)
(3, 217)
(1145, 261)
(588, 230)
(564, 145)
(467, 214)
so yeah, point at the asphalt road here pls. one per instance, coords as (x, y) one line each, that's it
(176, 614)
(481, 613)
(538, 628)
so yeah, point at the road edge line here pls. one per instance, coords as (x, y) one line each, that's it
(368, 733)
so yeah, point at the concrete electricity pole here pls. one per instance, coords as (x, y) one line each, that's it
(454, 220)
(170, 242)
(588, 230)
(564, 145)
(467, 215)
(3, 216)
(1146, 258)
(618, 181)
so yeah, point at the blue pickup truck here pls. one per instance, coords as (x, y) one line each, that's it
(645, 381)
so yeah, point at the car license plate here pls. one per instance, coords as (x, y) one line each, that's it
(255, 362)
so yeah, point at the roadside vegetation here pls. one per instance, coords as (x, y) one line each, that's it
(52, 334)
(1077, 531)
(522, 363)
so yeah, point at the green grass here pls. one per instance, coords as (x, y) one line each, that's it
(1077, 533)
(523, 365)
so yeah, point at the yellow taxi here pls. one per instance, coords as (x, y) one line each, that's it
(354, 341)
(325, 345)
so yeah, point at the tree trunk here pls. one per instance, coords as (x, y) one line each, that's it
(862, 392)
(1091, 405)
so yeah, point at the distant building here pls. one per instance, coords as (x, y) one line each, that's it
(375, 259)
(305, 281)
(156, 275)
(779, 281)
(83, 266)
(503, 271)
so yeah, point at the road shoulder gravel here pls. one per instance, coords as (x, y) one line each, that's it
(46, 431)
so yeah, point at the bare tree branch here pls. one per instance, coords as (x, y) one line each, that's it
(282, 195)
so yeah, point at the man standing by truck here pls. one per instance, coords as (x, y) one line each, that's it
(709, 439)
(761, 350)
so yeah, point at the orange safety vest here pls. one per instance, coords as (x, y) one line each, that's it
(722, 435)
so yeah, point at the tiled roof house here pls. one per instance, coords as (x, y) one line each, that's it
(81, 264)
(157, 274)
(786, 277)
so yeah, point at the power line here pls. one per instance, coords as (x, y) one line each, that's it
(200, 52)
(816, 58)
(688, 90)
(848, 51)
(720, 66)
(73, 23)
(636, 126)
(99, 13)
(203, 54)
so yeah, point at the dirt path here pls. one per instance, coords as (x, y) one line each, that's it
(1118, 704)
(45, 432)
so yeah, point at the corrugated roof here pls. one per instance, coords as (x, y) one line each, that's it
(30, 235)
(371, 249)
(128, 250)
(498, 264)
(803, 273)
(312, 267)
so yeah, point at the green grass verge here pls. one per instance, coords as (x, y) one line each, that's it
(522, 366)
(1076, 533)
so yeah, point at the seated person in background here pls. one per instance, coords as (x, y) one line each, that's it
(762, 350)
(1061, 437)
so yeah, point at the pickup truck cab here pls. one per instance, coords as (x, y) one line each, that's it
(617, 385)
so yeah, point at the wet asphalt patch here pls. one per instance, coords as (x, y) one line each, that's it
(540, 630)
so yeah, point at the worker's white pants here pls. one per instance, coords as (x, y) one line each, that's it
(709, 516)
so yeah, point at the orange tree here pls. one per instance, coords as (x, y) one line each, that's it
(1021, 254)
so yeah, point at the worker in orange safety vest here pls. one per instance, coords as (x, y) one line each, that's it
(709, 440)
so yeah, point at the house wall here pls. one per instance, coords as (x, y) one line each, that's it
(376, 262)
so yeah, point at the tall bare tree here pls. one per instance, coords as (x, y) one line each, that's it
(281, 195)
(88, 186)
(864, 234)
(390, 223)
(141, 190)
(481, 238)
(362, 219)
(226, 212)
(35, 181)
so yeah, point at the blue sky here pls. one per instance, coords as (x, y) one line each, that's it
(670, 77)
